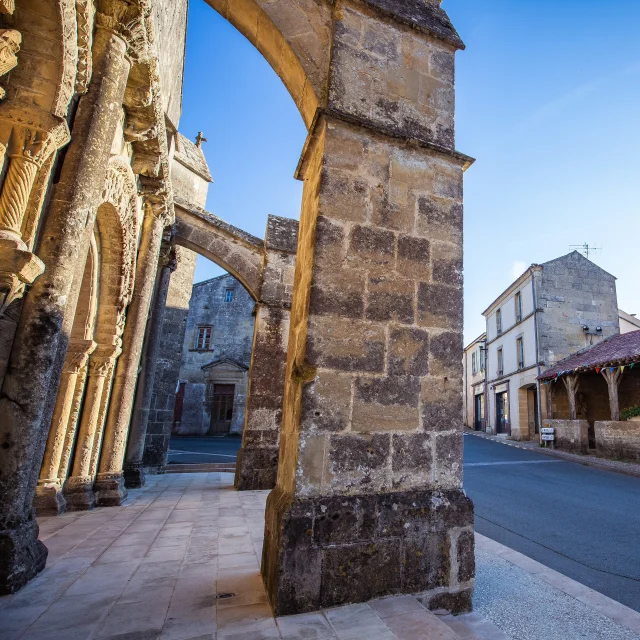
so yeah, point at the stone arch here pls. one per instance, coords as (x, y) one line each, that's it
(236, 251)
(295, 39)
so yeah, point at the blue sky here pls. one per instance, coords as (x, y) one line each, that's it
(548, 101)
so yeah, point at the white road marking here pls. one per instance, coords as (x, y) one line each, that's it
(490, 464)
(199, 453)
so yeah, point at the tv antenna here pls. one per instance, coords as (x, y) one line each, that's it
(586, 249)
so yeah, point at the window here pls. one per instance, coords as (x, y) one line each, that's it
(520, 351)
(474, 364)
(500, 363)
(518, 306)
(481, 353)
(203, 341)
(228, 295)
(499, 321)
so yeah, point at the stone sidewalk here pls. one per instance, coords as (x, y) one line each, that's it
(180, 561)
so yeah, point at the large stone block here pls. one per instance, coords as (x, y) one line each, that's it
(618, 440)
(328, 551)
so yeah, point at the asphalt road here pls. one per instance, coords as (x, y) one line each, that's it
(580, 521)
(203, 449)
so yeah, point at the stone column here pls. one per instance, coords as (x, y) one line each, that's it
(257, 463)
(613, 379)
(369, 499)
(49, 499)
(163, 398)
(109, 486)
(33, 372)
(78, 489)
(133, 471)
(572, 384)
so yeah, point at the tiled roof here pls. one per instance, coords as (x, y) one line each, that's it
(192, 157)
(617, 350)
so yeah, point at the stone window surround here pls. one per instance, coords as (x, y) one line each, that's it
(203, 338)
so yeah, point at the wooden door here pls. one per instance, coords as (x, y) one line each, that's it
(222, 410)
(502, 412)
(478, 422)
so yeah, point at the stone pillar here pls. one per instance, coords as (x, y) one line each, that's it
(168, 365)
(369, 499)
(257, 462)
(33, 372)
(109, 486)
(572, 384)
(78, 489)
(49, 499)
(133, 470)
(613, 379)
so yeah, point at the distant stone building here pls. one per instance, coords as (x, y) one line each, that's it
(550, 312)
(216, 355)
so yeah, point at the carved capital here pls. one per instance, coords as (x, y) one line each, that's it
(78, 354)
(103, 360)
(18, 268)
(10, 41)
(127, 20)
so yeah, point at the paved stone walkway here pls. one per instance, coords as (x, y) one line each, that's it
(157, 568)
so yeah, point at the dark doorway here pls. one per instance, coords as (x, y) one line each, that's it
(177, 409)
(222, 412)
(502, 412)
(478, 413)
(536, 415)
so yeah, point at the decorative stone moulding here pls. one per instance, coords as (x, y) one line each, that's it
(29, 144)
(10, 41)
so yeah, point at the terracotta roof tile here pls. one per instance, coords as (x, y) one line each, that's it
(617, 350)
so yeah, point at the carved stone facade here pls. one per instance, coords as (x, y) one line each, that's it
(354, 406)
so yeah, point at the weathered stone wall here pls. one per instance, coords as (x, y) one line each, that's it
(232, 335)
(170, 20)
(168, 367)
(618, 440)
(570, 435)
(370, 468)
(571, 292)
(257, 463)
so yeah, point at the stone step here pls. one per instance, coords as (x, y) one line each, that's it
(408, 619)
(220, 467)
(472, 626)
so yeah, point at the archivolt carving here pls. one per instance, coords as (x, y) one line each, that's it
(69, 58)
(84, 13)
(121, 192)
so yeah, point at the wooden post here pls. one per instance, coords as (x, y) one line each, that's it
(572, 383)
(613, 379)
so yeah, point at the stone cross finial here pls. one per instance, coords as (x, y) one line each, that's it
(200, 139)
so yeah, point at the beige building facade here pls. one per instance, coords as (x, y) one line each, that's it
(550, 312)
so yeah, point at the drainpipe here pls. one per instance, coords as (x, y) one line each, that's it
(535, 329)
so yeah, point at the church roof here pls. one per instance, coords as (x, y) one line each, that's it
(191, 156)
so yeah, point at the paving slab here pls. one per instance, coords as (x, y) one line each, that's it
(180, 560)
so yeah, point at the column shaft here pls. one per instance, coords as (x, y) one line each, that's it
(28, 392)
(109, 486)
(133, 471)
